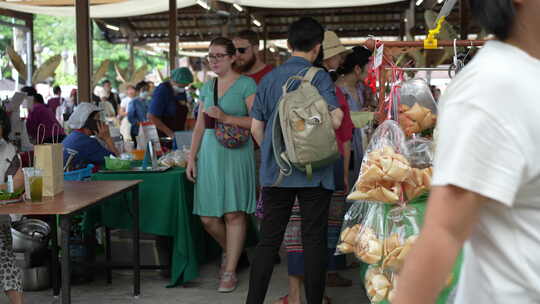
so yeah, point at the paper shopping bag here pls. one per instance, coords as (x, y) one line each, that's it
(49, 158)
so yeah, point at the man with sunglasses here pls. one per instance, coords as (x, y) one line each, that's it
(248, 61)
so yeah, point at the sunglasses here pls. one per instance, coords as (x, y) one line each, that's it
(242, 50)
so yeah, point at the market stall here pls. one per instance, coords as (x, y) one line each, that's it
(166, 209)
(391, 191)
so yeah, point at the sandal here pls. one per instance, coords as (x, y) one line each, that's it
(283, 300)
(228, 282)
(327, 300)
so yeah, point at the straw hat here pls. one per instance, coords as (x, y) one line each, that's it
(332, 46)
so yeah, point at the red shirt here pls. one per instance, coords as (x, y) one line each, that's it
(260, 74)
(345, 131)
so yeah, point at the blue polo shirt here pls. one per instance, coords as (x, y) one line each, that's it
(90, 150)
(264, 109)
(164, 100)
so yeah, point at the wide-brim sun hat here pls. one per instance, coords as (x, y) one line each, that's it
(81, 113)
(332, 45)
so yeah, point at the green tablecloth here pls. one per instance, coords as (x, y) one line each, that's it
(420, 205)
(166, 204)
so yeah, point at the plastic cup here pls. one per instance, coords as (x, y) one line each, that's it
(33, 184)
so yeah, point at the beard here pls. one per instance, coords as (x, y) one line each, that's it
(243, 68)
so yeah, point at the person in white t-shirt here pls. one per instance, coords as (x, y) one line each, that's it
(486, 184)
(125, 126)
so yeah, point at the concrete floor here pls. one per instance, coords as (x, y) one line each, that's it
(202, 290)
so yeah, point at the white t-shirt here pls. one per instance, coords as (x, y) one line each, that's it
(489, 143)
(125, 103)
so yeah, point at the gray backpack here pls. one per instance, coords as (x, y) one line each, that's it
(303, 134)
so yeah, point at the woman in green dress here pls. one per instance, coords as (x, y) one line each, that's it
(224, 178)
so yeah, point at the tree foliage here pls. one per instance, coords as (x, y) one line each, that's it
(56, 36)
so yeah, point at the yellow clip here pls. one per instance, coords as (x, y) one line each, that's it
(431, 41)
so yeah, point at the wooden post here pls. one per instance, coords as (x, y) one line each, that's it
(29, 23)
(131, 67)
(173, 36)
(84, 51)
(464, 18)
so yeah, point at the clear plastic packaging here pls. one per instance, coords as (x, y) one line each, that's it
(370, 239)
(418, 109)
(418, 182)
(175, 158)
(378, 284)
(402, 229)
(384, 167)
(421, 152)
(351, 227)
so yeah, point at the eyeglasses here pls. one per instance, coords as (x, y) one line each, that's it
(216, 57)
(242, 50)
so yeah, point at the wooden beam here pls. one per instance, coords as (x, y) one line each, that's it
(16, 15)
(173, 34)
(84, 52)
(30, 34)
(59, 2)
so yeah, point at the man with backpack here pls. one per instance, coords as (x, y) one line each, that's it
(294, 115)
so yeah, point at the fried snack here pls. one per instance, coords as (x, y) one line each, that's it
(348, 239)
(381, 176)
(377, 285)
(368, 248)
(397, 253)
(416, 119)
(418, 182)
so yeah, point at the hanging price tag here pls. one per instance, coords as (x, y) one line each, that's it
(379, 53)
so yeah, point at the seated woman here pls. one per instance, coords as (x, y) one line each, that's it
(85, 123)
(10, 274)
(41, 115)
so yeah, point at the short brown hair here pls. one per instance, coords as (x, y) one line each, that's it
(250, 36)
(226, 43)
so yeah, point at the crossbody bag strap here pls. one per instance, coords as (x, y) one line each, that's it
(215, 92)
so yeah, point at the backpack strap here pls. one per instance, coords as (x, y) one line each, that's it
(310, 74)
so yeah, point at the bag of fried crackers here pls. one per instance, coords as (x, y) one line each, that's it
(421, 152)
(351, 227)
(417, 109)
(378, 283)
(403, 226)
(384, 168)
(368, 246)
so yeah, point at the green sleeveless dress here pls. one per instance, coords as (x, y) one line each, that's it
(225, 177)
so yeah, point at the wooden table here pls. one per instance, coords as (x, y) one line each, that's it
(77, 197)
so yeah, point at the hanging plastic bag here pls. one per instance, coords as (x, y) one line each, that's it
(418, 110)
(351, 227)
(418, 183)
(421, 152)
(402, 229)
(384, 167)
(378, 284)
(370, 239)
